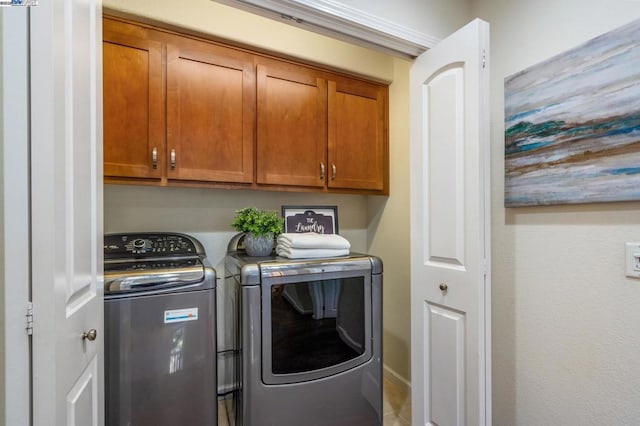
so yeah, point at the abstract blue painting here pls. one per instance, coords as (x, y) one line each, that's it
(572, 125)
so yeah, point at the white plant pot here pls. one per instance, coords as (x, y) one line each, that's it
(258, 246)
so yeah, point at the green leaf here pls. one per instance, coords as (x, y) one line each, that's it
(257, 222)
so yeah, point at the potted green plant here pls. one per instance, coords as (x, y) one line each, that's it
(260, 228)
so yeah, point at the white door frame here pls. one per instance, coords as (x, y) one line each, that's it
(14, 217)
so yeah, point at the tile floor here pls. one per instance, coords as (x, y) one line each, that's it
(396, 405)
(222, 414)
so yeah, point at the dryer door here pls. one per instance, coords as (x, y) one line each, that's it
(315, 325)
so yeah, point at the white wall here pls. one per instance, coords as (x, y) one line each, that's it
(566, 321)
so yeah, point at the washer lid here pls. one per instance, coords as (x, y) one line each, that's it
(152, 274)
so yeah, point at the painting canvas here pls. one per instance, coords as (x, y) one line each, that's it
(572, 125)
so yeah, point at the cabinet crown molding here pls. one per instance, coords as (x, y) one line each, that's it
(338, 20)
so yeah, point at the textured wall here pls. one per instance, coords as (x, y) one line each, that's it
(565, 318)
(388, 230)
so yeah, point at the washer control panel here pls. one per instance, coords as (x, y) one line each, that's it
(149, 245)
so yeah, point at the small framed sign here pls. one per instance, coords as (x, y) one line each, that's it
(318, 219)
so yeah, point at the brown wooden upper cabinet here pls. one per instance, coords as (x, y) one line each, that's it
(316, 129)
(210, 114)
(185, 111)
(133, 114)
(357, 136)
(206, 132)
(292, 126)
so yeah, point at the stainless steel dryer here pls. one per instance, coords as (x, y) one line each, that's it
(160, 322)
(309, 340)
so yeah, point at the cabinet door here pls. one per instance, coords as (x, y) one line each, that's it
(291, 141)
(132, 102)
(210, 115)
(357, 136)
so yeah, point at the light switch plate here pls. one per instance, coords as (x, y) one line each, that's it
(632, 256)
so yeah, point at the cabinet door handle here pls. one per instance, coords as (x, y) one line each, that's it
(321, 171)
(154, 157)
(333, 171)
(173, 159)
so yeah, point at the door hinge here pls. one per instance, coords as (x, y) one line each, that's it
(484, 58)
(29, 318)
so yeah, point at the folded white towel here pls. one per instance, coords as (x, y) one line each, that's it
(294, 253)
(311, 240)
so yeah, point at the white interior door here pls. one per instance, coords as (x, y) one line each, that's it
(66, 206)
(450, 293)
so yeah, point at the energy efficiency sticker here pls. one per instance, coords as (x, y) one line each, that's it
(180, 315)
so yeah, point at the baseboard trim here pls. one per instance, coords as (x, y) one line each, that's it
(391, 375)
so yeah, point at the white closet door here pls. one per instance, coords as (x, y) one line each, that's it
(450, 312)
(66, 205)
